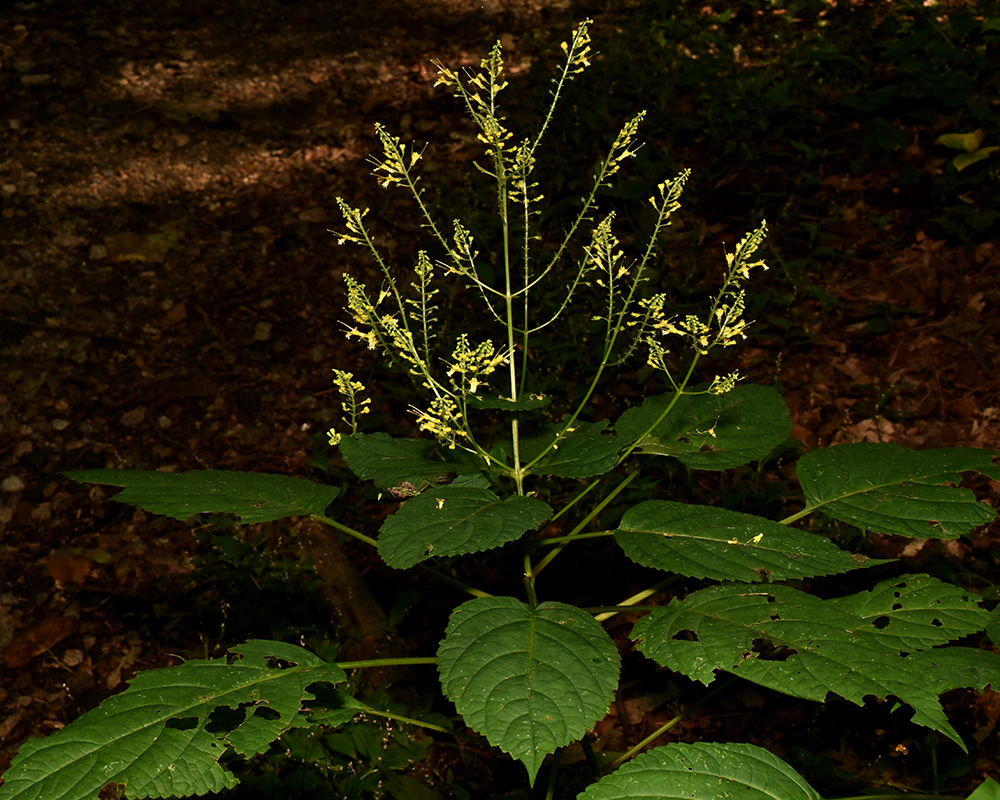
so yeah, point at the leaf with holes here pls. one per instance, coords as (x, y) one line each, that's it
(164, 735)
(453, 521)
(703, 771)
(890, 489)
(806, 647)
(706, 542)
(707, 431)
(529, 679)
(251, 496)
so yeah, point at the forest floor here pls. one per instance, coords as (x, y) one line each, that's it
(171, 298)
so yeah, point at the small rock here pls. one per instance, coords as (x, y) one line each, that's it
(60, 424)
(12, 484)
(25, 65)
(134, 417)
(72, 658)
(35, 80)
(42, 512)
(97, 252)
(9, 188)
(262, 332)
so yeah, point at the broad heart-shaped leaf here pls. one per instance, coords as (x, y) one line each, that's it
(795, 643)
(252, 496)
(453, 521)
(706, 542)
(886, 488)
(152, 738)
(707, 431)
(529, 679)
(584, 452)
(391, 462)
(703, 771)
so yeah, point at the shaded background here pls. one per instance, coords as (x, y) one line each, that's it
(170, 296)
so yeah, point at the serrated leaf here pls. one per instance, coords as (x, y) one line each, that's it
(993, 629)
(152, 738)
(806, 647)
(947, 668)
(706, 542)
(453, 521)
(251, 496)
(529, 679)
(703, 771)
(886, 488)
(390, 461)
(917, 612)
(707, 431)
(584, 452)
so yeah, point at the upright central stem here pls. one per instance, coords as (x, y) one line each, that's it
(517, 472)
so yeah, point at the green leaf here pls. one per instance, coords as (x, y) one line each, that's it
(164, 735)
(453, 521)
(886, 488)
(703, 771)
(707, 431)
(706, 542)
(795, 643)
(391, 462)
(969, 142)
(584, 452)
(993, 628)
(987, 790)
(251, 496)
(949, 668)
(529, 679)
(968, 159)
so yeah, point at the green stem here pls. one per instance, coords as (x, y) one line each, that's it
(451, 581)
(805, 512)
(529, 581)
(387, 662)
(579, 537)
(586, 521)
(550, 788)
(666, 727)
(666, 411)
(588, 752)
(407, 720)
(638, 597)
(341, 527)
(580, 495)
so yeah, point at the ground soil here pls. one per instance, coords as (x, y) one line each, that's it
(170, 298)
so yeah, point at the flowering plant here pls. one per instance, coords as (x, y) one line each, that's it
(499, 466)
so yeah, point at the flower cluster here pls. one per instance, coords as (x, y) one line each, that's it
(352, 405)
(395, 166)
(443, 420)
(471, 364)
(724, 325)
(577, 50)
